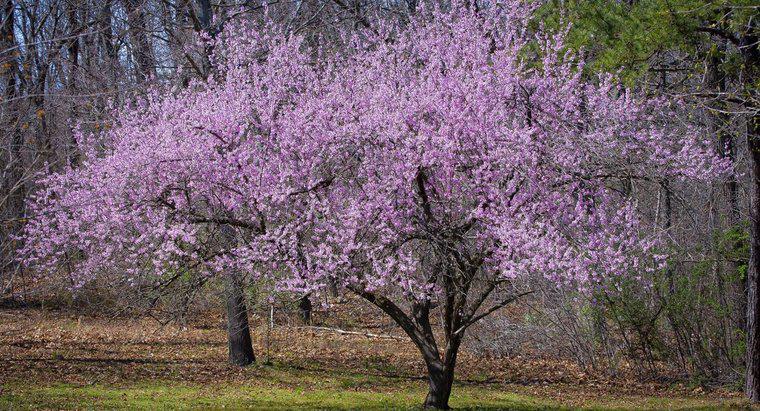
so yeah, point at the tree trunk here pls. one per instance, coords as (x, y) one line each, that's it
(440, 380)
(751, 53)
(12, 187)
(142, 47)
(753, 272)
(304, 308)
(720, 119)
(106, 33)
(73, 51)
(441, 371)
(239, 333)
(205, 17)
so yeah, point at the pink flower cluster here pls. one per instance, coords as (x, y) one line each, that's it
(457, 139)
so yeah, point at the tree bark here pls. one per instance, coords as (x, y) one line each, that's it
(73, 51)
(141, 44)
(205, 17)
(304, 308)
(238, 330)
(751, 53)
(13, 188)
(440, 381)
(720, 119)
(753, 271)
(440, 370)
(106, 34)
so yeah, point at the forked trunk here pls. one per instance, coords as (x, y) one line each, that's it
(239, 333)
(440, 368)
(440, 379)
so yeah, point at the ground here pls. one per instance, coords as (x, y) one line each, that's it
(61, 360)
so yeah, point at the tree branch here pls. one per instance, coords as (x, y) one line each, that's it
(720, 33)
(486, 313)
(401, 318)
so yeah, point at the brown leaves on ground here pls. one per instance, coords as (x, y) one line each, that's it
(57, 347)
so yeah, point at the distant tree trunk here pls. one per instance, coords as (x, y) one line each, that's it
(173, 20)
(412, 6)
(753, 272)
(73, 58)
(332, 287)
(238, 330)
(142, 48)
(205, 17)
(72, 46)
(12, 189)
(716, 78)
(304, 308)
(668, 224)
(106, 34)
(681, 339)
(751, 53)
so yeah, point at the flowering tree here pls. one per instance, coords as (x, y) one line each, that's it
(460, 162)
(180, 182)
(425, 166)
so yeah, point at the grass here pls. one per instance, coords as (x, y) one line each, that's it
(266, 387)
(51, 360)
(159, 396)
(283, 387)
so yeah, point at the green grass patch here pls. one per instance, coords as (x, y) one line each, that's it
(350, 394)
(162, 396)
(287, 387)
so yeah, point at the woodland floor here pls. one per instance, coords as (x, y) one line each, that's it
(60, 360)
